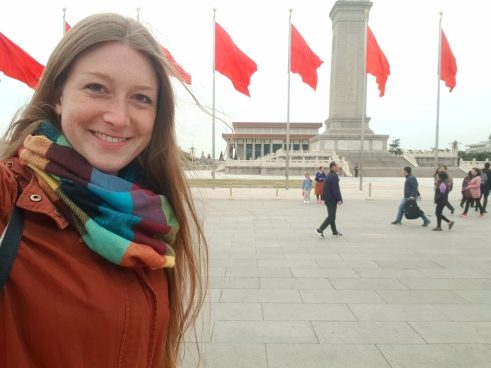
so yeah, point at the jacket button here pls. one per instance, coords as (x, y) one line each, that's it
(35, 197)
(9, 164)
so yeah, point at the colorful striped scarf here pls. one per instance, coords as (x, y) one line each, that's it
(116, 216)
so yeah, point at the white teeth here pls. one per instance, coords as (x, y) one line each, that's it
(108, 138)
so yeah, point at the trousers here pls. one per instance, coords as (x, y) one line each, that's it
(332, 207)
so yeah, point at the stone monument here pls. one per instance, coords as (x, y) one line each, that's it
(346, 105)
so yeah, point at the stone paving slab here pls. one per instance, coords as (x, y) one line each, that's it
(437, 355)
(399, 312)
(307, 312)
(454, 332)
(366, 333)
(324, 356)
(381, 296)
(279, 332)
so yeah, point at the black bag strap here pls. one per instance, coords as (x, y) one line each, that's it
(10, 242)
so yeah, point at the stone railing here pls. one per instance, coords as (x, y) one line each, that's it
(469, 165)
(304, 155)
(411, 158)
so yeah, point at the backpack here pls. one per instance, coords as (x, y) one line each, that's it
(412, 211)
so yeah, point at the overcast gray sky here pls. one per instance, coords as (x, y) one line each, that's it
(407, 32)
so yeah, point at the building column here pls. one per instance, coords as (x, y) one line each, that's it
(262, 149)
(245, 149)
(253, 149)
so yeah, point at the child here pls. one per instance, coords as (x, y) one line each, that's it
(306, 187)
(442, 189)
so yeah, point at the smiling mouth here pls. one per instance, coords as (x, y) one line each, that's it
(109, 138)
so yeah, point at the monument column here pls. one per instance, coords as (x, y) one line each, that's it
(346, 102)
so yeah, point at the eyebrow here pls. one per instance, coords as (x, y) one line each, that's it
(108, 78)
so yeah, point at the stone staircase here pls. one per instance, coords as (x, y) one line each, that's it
(376, 164)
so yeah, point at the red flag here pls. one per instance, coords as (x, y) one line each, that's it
(232, 62)
(178, 69)
(18, 64)
(448, 65)
(377, 64)
(303, 60)
(67, 27)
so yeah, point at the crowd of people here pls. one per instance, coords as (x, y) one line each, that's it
(476, 186)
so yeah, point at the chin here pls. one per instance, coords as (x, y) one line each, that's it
(111, 170)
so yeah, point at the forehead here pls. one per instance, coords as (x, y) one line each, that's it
(117, 61)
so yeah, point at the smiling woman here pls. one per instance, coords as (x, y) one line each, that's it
(111, 267)
(108, 108)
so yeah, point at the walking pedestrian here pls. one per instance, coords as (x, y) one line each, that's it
(449, 183)
(332, 199)
(357, 168)
(441, 200)
(320, 177)
(465, 193)
(485, 185)
(474, 188)
(306, 187)
(411, 192)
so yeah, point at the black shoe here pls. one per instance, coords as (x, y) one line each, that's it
(337, 234)
(426, 224)
(319, 233)
(437, 229)
(450, 225)
(395, 223)
(452, 211)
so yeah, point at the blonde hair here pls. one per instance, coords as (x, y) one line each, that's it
(162, 160)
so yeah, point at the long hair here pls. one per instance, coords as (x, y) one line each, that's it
(162, 160)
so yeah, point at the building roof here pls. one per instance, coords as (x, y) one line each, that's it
(267, 136)
(244, 124)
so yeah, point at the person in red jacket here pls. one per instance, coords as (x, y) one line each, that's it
(111, 266)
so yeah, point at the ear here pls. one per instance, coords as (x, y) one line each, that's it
(58, 106)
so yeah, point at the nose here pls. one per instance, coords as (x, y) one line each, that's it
(117, 113)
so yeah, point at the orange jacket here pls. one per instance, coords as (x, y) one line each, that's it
(65, 306)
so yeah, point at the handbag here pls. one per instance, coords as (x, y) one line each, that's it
(10, 241)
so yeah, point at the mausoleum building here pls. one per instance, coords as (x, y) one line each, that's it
(253, 140)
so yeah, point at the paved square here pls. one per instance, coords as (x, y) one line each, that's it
(380, 296)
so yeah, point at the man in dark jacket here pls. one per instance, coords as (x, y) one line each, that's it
(332, 198)
(410, 192)
(485, 185)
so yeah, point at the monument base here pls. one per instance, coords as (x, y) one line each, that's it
(349, 142)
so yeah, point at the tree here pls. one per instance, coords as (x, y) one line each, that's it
(209, 157)
(221, 157)
(395, 147)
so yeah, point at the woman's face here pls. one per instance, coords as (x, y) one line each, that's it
(108, 106)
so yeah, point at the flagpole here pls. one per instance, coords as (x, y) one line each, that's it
(138, 14)
(288, 99)
(213, 105)
(64, 21)
(364, 109)
(437, 133)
